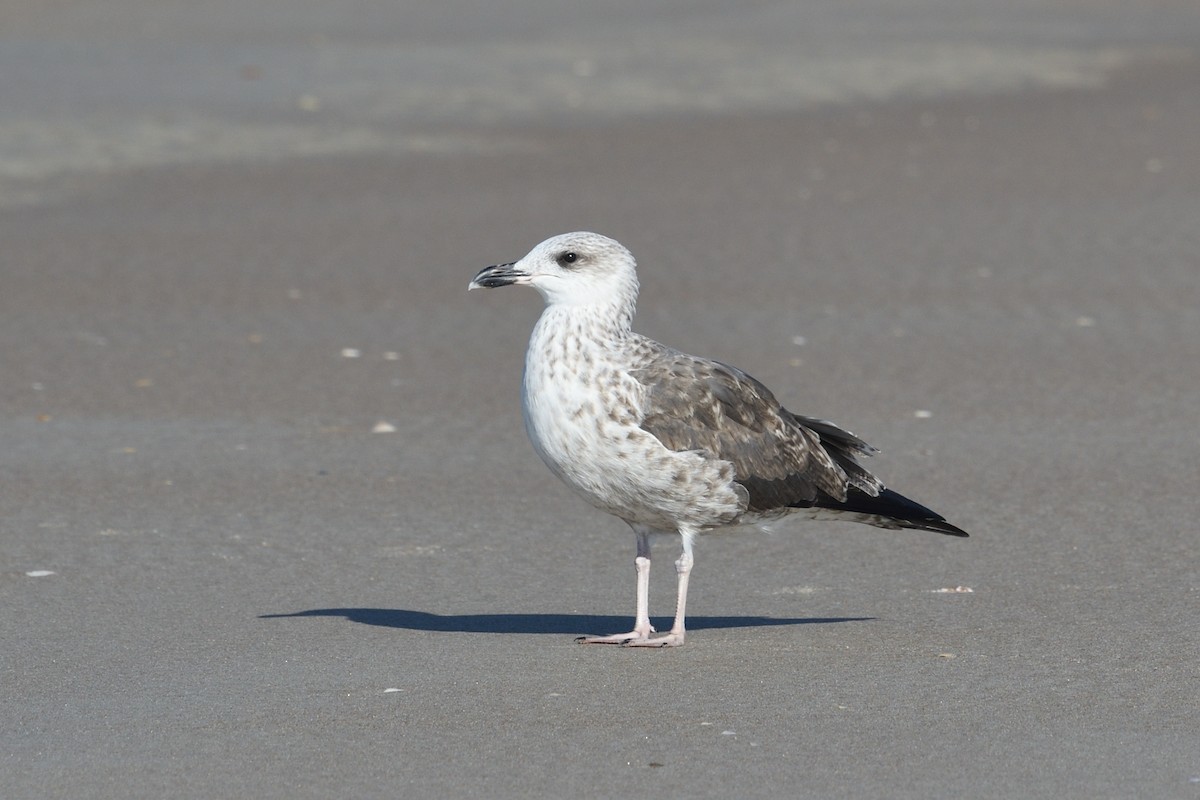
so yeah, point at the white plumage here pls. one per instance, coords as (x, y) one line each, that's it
(671, 443)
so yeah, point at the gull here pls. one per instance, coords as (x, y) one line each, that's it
(671, 443)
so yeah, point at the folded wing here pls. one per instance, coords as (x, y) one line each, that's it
(782, 459)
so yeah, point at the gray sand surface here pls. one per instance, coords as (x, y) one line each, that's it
(252, 594)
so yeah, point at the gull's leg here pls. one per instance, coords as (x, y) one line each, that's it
(683, 568)
(641, 625)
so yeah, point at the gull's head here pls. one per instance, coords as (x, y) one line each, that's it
(571, 269)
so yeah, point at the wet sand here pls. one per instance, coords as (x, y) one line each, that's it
(254, 594)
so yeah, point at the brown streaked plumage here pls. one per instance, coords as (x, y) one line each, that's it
(668, 442)
(697, 404)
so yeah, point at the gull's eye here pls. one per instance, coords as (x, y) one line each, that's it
(567, 259)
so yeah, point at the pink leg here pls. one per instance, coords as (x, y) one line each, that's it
(683, 568)
(641, 625)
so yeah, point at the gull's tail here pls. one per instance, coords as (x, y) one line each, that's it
(888, 510)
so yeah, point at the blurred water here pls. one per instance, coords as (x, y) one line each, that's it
(93, 86)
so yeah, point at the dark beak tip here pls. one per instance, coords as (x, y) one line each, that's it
(495, 276)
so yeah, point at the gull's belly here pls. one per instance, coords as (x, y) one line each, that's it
(590, 438)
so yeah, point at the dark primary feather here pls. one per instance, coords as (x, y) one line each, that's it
(887, 510)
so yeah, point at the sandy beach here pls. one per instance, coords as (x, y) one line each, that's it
(271, 526)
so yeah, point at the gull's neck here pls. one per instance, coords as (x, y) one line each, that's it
(606, 319)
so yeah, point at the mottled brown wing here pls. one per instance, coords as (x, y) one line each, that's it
(697, 404)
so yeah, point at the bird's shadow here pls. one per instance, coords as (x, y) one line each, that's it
(536, 623)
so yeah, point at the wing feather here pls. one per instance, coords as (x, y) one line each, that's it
(781, 459)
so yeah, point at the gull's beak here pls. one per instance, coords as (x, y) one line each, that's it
(499, 275)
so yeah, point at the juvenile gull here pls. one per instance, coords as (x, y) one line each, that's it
(671, 443)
